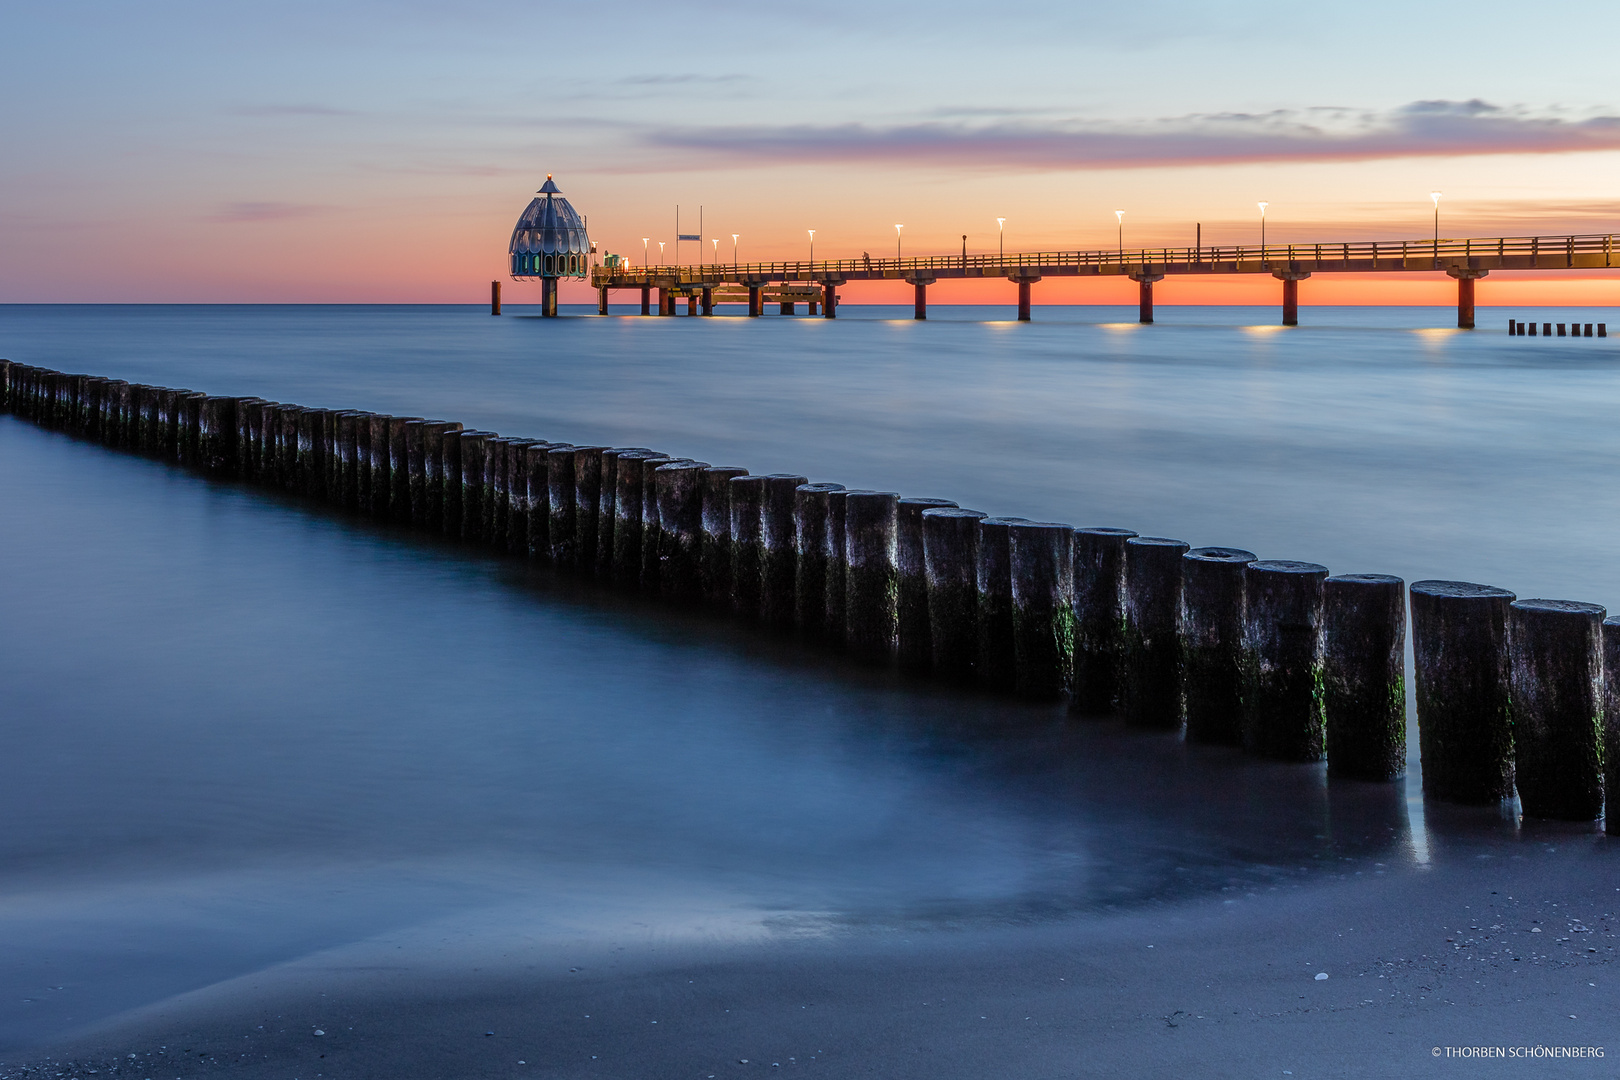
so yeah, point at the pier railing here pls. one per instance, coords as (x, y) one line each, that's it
(1595, 250)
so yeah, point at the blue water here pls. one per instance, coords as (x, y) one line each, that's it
(239, 731)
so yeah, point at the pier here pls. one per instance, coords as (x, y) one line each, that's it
(1466, 260)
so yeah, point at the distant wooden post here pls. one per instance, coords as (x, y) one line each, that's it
(495, 298)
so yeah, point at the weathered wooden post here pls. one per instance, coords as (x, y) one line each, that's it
(497, 493)
(651, 524)
(810, 547)
(1611, 723)
(1282, 660)
(311, 453)
(474, 513)
(1152, 657)
(871, 577)
(997, 667)
(561, 489)
(1099, 619)
(587, 506)
(628, 528)
(1212, 643)
(348, 459)
(399, 468)
(680, 528)
(780, 567)
(914, 643)
(747, 496)
(537, 480)
(715, 556)
(1041, 555)
(950, 564)
(1364, 675)
(1556, 679)
(1460, 664)
(450, 470)
(835, 622)
(188, 436)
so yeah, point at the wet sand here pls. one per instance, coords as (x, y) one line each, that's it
(1223, 987)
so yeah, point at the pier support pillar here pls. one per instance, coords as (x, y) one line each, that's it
(1024, 281)
(1290, 281)
(646, 300)
(601, 299)
(708, 301)
(829, 297)
(692, 305)
(919, 302)
(1144, 296)
(548, 297)
(494, 298)
(1465, 294)
(666, 302)
(756, 301)
(786, 307)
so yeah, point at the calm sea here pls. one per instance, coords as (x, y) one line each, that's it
(239, 731)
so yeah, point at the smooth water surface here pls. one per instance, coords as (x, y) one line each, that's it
(238, 730)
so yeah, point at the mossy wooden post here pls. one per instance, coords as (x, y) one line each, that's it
(835, 623)
(560, 490)
(537, 479)
(810, 548)
(1041, 557)
(779, 569)
(399, 468)
(1364, 675)
(381, 482)
(188, 437)
(914, 643)
(311, 458)
(650, 524)
(1460, 670)
(1099, 619)
(680, 530)
(950, 566)
(140, 406)
(627, 524)
(587, 506)
(497, 501)
(169, 419)
(331, 455)
(435, 433)
(1611, 724)
(1212, 643)
(1555, 671)
(1152, 656)
(115, 401)
(871, 576)
(450, 464)
(997, 667)
(474, 513)
(714, 559)
(747, 544)
(348, 460)
(1282, 660)
(520, 501)
(95, 405)
(247, 429)
(416, 480)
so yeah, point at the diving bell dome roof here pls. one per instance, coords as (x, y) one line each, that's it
(550, 226)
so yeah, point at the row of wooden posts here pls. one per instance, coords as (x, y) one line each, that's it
(1276, 657)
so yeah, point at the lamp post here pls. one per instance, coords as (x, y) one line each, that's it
(1001, 238)
(897, 229)
(716, 242)
(1262, 206)
(812, 233)
(660, 253)
(1119, 216)
(1435, 195)
(644, 251)
(734, 250)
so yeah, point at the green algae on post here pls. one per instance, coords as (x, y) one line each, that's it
(1212, 643)
(1151, 651)
(1364, 675)
(1040, 555)
(1099, 619)
(1282, 660)
(1460, 668)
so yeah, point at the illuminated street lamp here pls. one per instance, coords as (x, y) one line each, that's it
(812, 233)
(734, 250)
(644, 250)
(660, 253)
(716, 242)
(1435, 195)
(897, 229)
(1119, 216)
(1001, 238)
(1262, 207)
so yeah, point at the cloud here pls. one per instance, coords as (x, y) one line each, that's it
(246, 212)
(679, 80)
(1418, 129)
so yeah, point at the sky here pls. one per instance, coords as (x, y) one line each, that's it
(380, 152)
